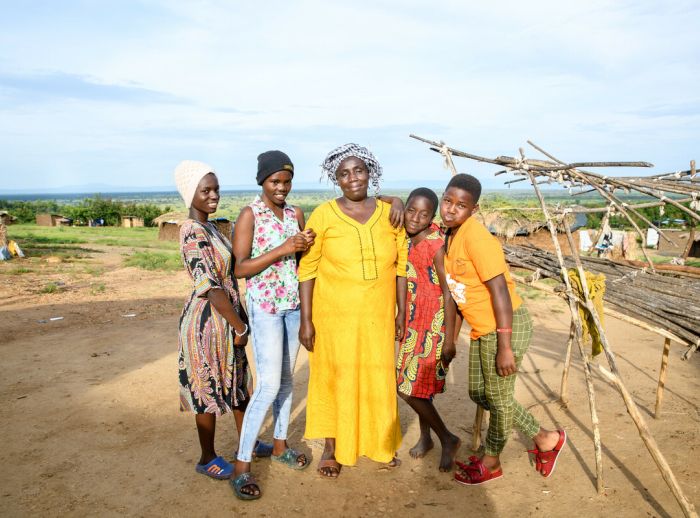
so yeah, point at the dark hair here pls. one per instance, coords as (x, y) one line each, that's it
(468, 183)
(426, 193)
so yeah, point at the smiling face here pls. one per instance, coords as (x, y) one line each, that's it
(276, 187)
(456, 207)
(418, 215)
(206, 197)
(353, 178)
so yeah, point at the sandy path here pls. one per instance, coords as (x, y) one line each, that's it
(91, 424)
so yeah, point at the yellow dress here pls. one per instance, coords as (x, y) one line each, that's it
(352, 382)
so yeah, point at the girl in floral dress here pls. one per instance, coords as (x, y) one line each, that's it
(428, 346)
(267, 236)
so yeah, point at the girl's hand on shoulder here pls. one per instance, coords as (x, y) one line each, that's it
(396, 212)
(449, 351)
(307, 335)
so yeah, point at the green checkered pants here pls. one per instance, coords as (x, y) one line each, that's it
(496, 394)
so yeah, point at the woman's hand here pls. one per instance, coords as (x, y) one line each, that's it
(299, 242)
(505, 361)
(399, 323)
(240, 341)
(449, 351)
(307, 334)
(396, 212)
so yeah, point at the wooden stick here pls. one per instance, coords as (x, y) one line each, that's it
(662, 378)
(689, 244)
(573, 308)
(564, 392)
(476, 430)
(687, 508)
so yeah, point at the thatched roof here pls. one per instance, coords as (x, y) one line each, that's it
(516, 222)
(176, 217)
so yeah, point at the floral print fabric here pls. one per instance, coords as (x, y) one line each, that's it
(276, 288)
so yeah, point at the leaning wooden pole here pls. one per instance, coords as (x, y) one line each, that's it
(476, 429)
(662, 378)
(575, 318)
(564, 392)
(614, 375)
(650, 443)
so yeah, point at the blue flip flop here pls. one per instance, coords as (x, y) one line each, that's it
(217, 468)
(262, 449)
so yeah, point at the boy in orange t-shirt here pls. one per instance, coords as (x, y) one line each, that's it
(485, 295)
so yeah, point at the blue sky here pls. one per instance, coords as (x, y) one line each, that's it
(117, 93)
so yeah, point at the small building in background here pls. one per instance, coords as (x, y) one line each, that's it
(677, 240)
(49, 220)
(170, 222)
(132, 221)
(6, 218)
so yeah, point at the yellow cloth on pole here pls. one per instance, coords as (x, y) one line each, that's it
(596, 292)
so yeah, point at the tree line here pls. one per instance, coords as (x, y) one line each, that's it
(111, 211)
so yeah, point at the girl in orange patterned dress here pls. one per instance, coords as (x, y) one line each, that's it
(428, 346)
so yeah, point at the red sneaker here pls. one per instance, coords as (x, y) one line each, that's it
(475, 473)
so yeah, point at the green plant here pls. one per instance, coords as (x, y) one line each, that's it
(97, 288)
(168, 261)
(49, 288)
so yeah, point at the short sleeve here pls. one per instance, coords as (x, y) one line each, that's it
(198, 254)
(401, 252)
(486, 254)
(308, 266)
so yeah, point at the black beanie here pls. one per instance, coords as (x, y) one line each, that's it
(271, 162)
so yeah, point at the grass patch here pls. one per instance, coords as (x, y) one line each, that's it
(17, 271)
(168, 261)
(98, 288)
(49, 288)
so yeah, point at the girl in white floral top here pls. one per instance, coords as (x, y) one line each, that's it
(268, 234)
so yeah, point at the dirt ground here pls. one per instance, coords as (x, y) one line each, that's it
(91, 423)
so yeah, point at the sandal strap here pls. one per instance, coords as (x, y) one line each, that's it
(245, 479)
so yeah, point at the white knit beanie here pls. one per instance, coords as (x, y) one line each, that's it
(188, 173)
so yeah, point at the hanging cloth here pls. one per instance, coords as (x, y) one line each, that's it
(596, 292)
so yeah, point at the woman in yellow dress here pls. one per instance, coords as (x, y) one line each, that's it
(353, 299)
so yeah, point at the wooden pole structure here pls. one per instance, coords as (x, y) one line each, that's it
(632, 409)
(662, 377)
(476, 430)
(573, 307)
(564, 392)
(687, 507)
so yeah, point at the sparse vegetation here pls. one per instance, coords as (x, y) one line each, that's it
(168, 261)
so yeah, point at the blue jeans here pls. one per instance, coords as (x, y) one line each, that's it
(275, 346)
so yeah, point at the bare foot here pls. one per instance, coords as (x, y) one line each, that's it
(395, 463)
(546, 440)
(423, 446)
(449, 452)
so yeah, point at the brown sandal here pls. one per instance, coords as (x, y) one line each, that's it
(331, 464)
